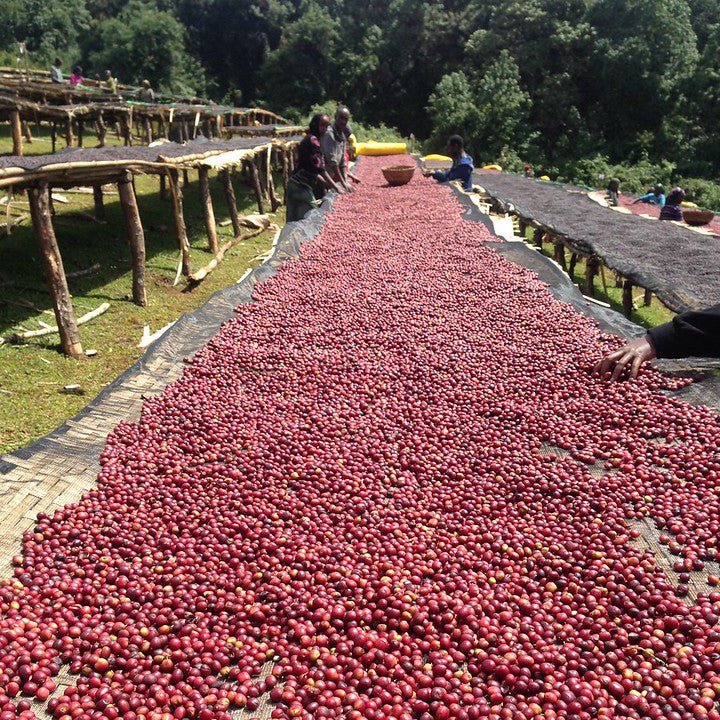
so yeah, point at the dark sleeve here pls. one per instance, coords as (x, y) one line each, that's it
(691, 333)
(441, 176)
(461, 172)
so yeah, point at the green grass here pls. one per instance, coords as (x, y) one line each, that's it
(645, 316)
(32, 374)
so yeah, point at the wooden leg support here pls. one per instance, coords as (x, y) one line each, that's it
(627, 298)
(163, 189)
(136, 237)
(274, 202)
(53, 135)
(257, 188)
(590, 270)
(101, 130)
(207, 208)
(559, 254)
(537, 238)
(16, 130)
(98, 202)
(26, 132)
(54, 271)
(183, 242)
(231, 201)
(647, 298)
(573, 263)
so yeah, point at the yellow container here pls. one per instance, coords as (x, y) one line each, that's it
(373, 148)
(687, 203)
(436, 158)
(492, 167)
(544, 177)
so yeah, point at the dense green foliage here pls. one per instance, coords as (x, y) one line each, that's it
(552, 82)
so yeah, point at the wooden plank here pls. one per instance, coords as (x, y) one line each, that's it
(54, 270)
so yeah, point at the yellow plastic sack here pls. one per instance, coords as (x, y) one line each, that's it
(373, 148)
(492, 167)
(545, 177)
(436, 158)
(687, 203)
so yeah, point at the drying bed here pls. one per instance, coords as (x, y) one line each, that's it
(680, 266)
(389, 488)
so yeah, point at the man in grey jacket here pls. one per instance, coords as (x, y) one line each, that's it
(334, 147)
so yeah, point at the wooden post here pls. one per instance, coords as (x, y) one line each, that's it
(183, 243)
(26, 132)
(163, 191)
(573, 263)
(285, 169)
(81, 131)
(255, 177)
(627, 298)
(16, 130)
(101, 130)
(559, 253)
(126, 128)
(231, 201)
(53, 134)
(274, 202)
(207, 208)
(604, 280)
(98, 202)
(53, 269)
(162, 129)
(147, 130)
(186, 179)
(136, 236)
(537, 238)
(590, 270)
(69, 137)
(647, 297)
(522, 227)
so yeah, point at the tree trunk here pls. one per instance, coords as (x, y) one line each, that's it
(136, 237)
(54, 271)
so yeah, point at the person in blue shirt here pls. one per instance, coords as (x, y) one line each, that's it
(462, 164)
(655, 197)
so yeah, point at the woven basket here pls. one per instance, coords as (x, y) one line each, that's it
(694, 216)
(398, 174)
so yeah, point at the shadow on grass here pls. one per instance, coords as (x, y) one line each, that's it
(85, 243)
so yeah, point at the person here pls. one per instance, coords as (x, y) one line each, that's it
(654, 196)
(528, 171)
(613, 191)
(672, 209)
(310, 177)
(146, 93)
(334, 147)
(694, 333)
(56, 73)
(462, 164)
(109, 82)
(76, 77)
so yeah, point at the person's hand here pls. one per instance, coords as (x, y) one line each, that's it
(632, 356)
(356, 180)
(427, 173)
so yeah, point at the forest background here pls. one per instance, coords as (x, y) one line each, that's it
(580, 89)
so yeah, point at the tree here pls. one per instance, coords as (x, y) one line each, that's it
(143, 42)
(303, 70)
(491, 116)
(51, 27)
(644, 54)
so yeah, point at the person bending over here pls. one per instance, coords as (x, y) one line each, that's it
(695, 333)
(672, 209)
(462, 165)
(310, 177)
(656, 196)
(334, 147)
